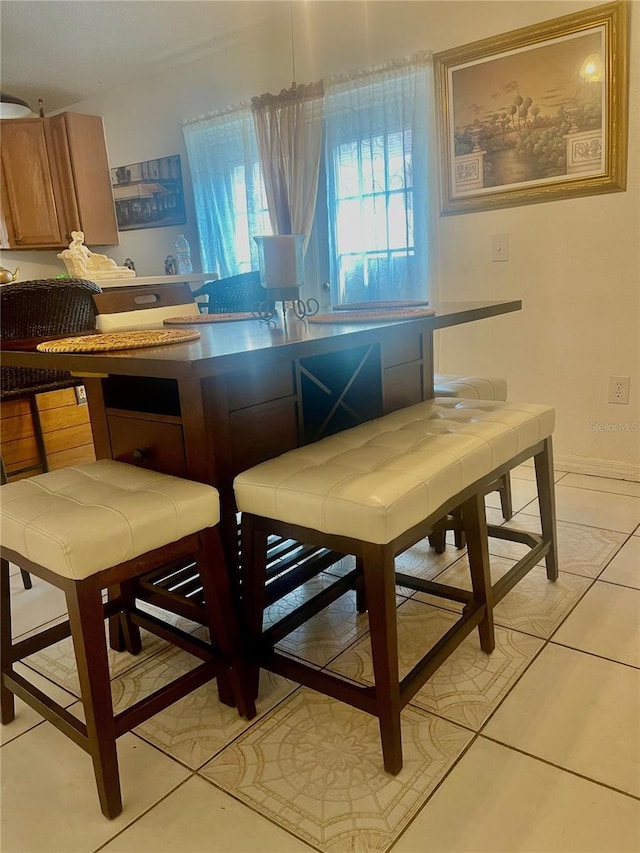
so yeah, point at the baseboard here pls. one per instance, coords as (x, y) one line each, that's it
(597, 467)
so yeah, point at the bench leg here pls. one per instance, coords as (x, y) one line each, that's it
(379, 579)
(547, 501)
(506, 499)
(475, 525)
(7, 701)
(86, 618)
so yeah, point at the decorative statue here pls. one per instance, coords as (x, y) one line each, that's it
(81, 262)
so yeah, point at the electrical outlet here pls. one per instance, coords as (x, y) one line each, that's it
(619, 389)
(81, 395)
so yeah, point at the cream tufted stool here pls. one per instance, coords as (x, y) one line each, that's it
(100, 526)
(374, 491)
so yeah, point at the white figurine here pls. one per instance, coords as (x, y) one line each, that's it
(81, 262)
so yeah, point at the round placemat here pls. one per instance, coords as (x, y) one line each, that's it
(119, 340)
(380, 305)
(207, 318)
(375, 316)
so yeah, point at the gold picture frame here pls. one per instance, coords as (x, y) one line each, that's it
(535, 114)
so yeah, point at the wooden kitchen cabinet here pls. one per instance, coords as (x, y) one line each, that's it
(55, 180)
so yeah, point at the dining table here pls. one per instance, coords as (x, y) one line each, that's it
(247, 390)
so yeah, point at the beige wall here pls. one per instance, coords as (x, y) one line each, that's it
(574, 263)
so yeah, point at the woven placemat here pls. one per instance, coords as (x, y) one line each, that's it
(119, 340)
(380, 305)
(207, 318)
(375, 316)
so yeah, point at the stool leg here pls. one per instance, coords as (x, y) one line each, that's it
(379, 579)
(547, 501)
(459, 538)
(475, 525)
(115, 627)
(7, 701)
(86, 617)
(361, 593)
(128, 633)
(253, 577)
(234, 686)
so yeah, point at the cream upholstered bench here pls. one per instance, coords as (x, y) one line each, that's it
(97, 526)
(374, 491)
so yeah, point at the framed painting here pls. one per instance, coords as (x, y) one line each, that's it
(535, 114)
(149, 194)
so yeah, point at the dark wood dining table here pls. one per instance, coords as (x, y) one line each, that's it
(246, 391)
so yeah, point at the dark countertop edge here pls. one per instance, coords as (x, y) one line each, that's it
(138, 365)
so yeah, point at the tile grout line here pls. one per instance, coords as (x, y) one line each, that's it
(546, 761)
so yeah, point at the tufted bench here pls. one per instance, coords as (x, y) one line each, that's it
(100, 526)
(374, 491)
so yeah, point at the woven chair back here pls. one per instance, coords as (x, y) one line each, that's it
(235, 294)
(38, 309)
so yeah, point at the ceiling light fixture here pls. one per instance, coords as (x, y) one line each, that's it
(11, 107)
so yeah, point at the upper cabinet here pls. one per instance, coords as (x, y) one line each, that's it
(55, 180)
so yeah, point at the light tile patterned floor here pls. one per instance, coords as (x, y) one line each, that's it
(532, 748)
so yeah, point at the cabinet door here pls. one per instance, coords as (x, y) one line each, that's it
(76, 142)
(30, 209)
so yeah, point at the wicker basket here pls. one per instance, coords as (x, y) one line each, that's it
(38, 309)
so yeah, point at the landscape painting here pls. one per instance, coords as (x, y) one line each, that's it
(149, 194)
(537, 118)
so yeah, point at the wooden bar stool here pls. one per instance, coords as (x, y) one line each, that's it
(100, 526)
(35, 309)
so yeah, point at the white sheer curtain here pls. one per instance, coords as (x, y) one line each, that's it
(228, 188)
(378, 123)
(289, 131)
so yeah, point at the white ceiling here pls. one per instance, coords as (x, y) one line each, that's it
(67, 50)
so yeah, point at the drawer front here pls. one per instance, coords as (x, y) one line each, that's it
(252, 387)
(402, 386)
(150, 444)
(262, 432)
(19, 454)
(399, 350)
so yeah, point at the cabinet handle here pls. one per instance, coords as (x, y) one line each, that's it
(141, 453)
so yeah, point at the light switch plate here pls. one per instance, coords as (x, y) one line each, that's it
(500, 247)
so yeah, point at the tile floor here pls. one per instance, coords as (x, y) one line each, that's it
(533, 748)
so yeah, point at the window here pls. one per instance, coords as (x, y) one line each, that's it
(373, 216)
(257, 213)
(376, 163)
(228, 190)
(375, 193)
